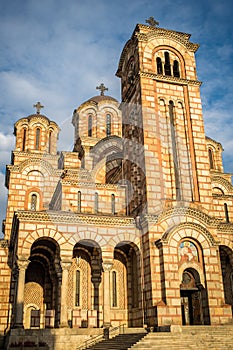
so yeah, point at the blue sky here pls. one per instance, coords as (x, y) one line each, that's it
(58, 51)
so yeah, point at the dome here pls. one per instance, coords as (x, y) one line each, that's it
(100, 98)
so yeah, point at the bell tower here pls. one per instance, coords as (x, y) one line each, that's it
(166, 159)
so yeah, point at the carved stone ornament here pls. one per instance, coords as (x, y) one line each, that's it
(107, 266)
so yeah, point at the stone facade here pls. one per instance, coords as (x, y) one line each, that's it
(134, 225)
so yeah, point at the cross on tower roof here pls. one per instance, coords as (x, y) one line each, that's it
(38, 107)
(102, 88)
(152, 22)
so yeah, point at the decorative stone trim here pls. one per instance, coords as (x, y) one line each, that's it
(184, 211)
(4, 243)
(74, 218)
(225, 227)
(170, 79)
(35, 162)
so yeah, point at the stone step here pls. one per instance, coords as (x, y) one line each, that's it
(120, 342)
(195, 337)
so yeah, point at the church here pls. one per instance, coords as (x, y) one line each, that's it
(134, 226)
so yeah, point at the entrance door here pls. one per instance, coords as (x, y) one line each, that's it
(190, 307)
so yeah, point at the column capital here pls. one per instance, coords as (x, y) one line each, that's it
(107, 265)
(66, 264)
(23, 263)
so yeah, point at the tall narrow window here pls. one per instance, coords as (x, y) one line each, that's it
(77, 289)
(37, 138)
(211, 158)
(96, 206)
(113, 209)
(167, 66)
(108, 125)
(50, 142)
(226, 212)
(79, 202)
(90, 125)
(33, 201)
(114, 289)
(24, 139)
(176, 71)
(174, 150)
(159, 65)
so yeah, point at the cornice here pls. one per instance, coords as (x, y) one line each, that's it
(151, 32)
(225, 227)
(169, 79)
(74, 218)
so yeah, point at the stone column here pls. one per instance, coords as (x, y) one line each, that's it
(22, 265)
(107, 266)
(64, 288)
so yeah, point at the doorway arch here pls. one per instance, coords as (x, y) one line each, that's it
(194, 301)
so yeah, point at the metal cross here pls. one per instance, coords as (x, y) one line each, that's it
(152, 22)
(102, 88)
(38, 107)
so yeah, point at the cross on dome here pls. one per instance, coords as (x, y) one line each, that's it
(38, 107)
(102, 88)
(152, 22)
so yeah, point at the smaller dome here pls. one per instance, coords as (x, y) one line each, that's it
(100, 98)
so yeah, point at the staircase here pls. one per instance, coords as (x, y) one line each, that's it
(189, 337)
(120, 342)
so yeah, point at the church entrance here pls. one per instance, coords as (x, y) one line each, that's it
(191, 299)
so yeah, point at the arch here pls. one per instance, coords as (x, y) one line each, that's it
(36, 164)
(189, 230)
(45, 233)
(28, 194)
(223, 184)
(89, 235)
(179, 57)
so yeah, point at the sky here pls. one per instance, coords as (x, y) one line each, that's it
(58, 51)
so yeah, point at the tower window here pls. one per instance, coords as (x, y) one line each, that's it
(79, 202)
(50, 142)
(108, 125)
(113, 209)
(167, 66)
(159, 65)
(37, 138)
(24, 139)
(90, 125)
(77, 289)
(176, 71)
(96, 202)
(211, 158)
(33, 201)
(114, 289)
(226, 212)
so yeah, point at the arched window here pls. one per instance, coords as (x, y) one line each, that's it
(37, 138)
(226, 212)
(24, 139)
(90, 125)
(159, 65)
(108, 125)
(33, 201)
(176, 71)
(113, 209)
(50, 142)
(79, 206)
(167, 66)
(77, 289)
(96, 208)
(114, 289)
(211, 158)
